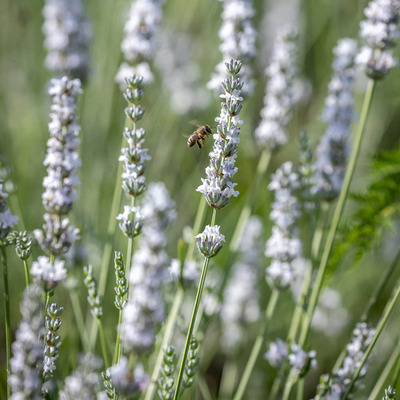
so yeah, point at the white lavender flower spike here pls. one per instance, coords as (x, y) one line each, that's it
(284, 245)
(218, 187)
(138, 44)
(380, 31)
(277, 353)
(279, 92)
(129, 228)
(62, 162)
(26, 363)
(48, 273)
(238, 38)
(7, 220)
(67, 35)
(334, 148)
(210, 242)
(145, 307)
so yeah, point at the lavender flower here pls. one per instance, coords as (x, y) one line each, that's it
(179, 73)
(7, 220)
(145, 306)
(380, 32)
(84, 382)
(138, 44)
(67, 35)
(300, 360)
(238, 38)
(279, 97)
(334, 148)
(240, 305)
(218, 186)
(210, 242)
(62, 162)
(284, 245)
(130, 221)
(47, 272)
(189, 274)
(337, 386)
(125, 382)
(27, 360)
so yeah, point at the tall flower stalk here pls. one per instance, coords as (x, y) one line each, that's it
(217, 187)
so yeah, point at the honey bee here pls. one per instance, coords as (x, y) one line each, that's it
(199, 136)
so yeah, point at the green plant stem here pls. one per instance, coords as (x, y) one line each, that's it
(229, 376)
(300, 390)
(27, 277)
(337, 214)
(382, 322)
(379, 289)
(291, 380)
(103, 343)
(192, 322)
(80, 322)
(117, 351)
(255, 352)
(6, 313)
(176, 305)
(379, 385)
(106, 259)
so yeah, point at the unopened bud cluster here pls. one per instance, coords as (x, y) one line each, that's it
(192, 361)
(167, 381)
(22, 242)
(62, 162)
(121, 287)
(134, 157)
(52, 340)
(218, 187)
(94, 299)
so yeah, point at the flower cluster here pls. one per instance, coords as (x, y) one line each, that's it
(62, 162)
(337, 386)
(134, 158)
(379, 31)
(218, 186)
(26, 363)
(179, 72)
(67, 35)
(138, 43)
(210, 241)
(334, 148)
(301, 361)
(279, 98)
(284, 245)
(389, 394)
(186, 273)
(238, 38)
(126, 383)
(145, 306)
(48, 273)
(7, 220)
(240, 305)
(85, 381)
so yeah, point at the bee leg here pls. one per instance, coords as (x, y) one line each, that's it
(199, 143)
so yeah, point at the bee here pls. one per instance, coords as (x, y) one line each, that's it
(199, 136)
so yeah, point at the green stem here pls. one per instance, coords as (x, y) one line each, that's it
(169, 329)
(117, 351)
(173, 315)
(80, 322)
(7, 314)
(192, 322)
(229, 376)
(291, 380)
(255, 352)
(337, 214)
(27, 277)
(388, 310)
(300, 390)
(103, 343)
(378, 388)
(379, 289)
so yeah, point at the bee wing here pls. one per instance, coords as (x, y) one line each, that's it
(194, 123)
